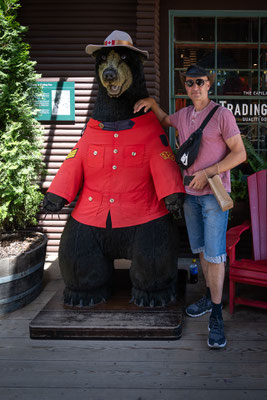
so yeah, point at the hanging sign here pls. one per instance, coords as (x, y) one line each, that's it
(245, 111)
(56, 102)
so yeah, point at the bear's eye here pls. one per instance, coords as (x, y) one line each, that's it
(103, 57)
(123, 56)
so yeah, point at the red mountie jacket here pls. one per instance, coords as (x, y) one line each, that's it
(124, 168)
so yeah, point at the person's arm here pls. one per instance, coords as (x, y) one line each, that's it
(236, 156)
(148, 103)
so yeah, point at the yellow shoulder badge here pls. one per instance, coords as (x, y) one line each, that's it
(72, 154)
(166, 155)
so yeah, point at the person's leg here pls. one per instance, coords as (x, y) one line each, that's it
(205, 268)
(215, 225)
(195, 229)
(214, 255)
(216, 274)
(194, 223)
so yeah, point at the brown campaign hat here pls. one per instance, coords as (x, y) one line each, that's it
(116, 39)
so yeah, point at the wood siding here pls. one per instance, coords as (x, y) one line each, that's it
(59, 31)
(147, 37)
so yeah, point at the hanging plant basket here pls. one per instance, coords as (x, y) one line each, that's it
(21, 276)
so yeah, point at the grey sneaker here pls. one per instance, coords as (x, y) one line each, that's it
(199, 308)
(216, 339)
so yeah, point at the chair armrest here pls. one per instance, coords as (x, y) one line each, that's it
(233, 237)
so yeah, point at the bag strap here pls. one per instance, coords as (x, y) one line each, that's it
(208, 117)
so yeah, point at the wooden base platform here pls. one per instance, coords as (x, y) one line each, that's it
(115, 319)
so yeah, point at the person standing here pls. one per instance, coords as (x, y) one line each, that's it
(221, 149)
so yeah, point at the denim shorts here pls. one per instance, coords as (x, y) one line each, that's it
(206, 226)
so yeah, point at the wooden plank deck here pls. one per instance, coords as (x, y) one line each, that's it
(118, 318)
(134, 370)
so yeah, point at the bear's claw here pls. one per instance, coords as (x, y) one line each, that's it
(73, 298)
(160, 298)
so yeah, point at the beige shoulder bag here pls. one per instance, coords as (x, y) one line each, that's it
(221, 195)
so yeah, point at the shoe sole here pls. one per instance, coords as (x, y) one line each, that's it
(198, 315)
(217, 345)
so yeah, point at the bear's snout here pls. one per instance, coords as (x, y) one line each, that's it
(109, 75)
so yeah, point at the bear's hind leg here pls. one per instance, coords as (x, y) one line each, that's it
(154, 264)
(87, 272)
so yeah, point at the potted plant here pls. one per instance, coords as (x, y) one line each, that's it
(22, 253)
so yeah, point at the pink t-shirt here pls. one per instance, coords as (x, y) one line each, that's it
(213, 148)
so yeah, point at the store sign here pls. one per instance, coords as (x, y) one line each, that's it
(246, 111)
(56, 102)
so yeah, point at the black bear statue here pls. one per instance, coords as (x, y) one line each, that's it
(127, 179)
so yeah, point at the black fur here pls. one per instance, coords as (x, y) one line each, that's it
(164, 140)
(53, 203)
(117, 109)
(87, 254)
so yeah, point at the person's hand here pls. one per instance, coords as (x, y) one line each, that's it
(199, 181)
(174, 202)
(52, 202)
(146, 103)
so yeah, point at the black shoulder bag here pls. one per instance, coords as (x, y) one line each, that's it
(188, 151)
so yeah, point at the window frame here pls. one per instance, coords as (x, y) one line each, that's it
(215, 14)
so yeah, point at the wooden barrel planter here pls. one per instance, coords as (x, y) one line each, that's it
(21, 277)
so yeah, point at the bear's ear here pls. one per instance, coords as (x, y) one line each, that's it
(142, 58)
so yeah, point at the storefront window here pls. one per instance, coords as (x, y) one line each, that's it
(237, 56)
(238, 29)
(263, 57)
(233, 45)
(236, 83)
(194, 29)
(263, 30)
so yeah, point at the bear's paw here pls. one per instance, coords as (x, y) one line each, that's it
(160, 298)
(76, 298)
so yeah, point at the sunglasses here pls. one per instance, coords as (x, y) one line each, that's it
(199, 82)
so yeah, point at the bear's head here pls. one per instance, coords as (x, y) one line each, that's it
(117, 69)
(121, 82)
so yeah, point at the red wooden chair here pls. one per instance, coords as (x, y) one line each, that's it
(250, 271)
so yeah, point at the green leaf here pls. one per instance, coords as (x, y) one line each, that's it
(21, 136)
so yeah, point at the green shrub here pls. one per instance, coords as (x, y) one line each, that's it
(239, 186)
(255, 161)
(21, 135)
